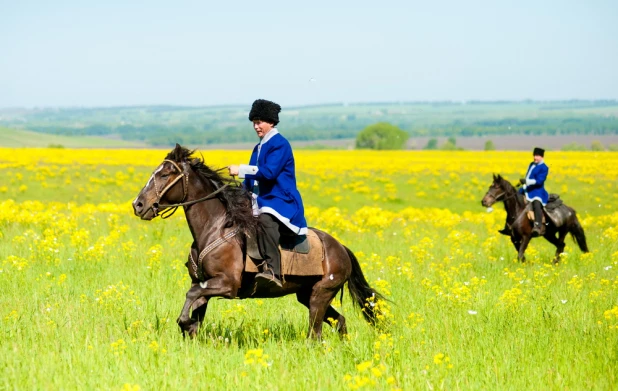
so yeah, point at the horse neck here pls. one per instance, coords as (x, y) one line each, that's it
(511, 202)
(206, 218)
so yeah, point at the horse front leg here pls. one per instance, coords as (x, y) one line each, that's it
(525, 240)
(220, 286)
(198, 314)
(516, 242)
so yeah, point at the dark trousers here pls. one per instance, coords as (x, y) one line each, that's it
(538, 212)
(268, 242)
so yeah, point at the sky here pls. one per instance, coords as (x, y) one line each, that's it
(111, 53)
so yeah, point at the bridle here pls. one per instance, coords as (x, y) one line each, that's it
(495, 197)
(170, 209)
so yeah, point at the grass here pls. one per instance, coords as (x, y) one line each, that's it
(13, 138)
(89, 294)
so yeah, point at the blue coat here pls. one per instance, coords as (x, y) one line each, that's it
(276, 177)
(534, 189)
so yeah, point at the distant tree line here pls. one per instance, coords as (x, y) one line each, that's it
(165, 125)
(214, 132)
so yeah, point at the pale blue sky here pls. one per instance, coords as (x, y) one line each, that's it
(85, 53)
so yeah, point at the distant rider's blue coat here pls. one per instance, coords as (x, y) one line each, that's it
(276, 179)
(534, 189)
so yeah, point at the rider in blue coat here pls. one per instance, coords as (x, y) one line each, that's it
(534, 188)
(270, 176)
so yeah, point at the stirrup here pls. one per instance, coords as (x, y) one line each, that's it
(267, 277)
(537, 231)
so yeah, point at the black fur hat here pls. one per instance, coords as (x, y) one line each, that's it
(265, 110)
(538, 152)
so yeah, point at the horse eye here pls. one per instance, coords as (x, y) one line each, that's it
(165, 175)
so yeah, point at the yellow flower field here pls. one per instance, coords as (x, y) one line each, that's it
(89, 293)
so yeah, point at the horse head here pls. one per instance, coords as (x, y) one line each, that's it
(168, 184)
(496, 192)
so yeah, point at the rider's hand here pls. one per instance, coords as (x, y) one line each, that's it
(233, 170)
(522, 181)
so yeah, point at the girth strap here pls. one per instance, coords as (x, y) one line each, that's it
(197, 268)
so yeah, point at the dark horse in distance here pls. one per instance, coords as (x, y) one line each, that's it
(520, 225)
(219, 215)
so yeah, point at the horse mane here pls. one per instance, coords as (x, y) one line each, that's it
(236, 199)
(509, 190)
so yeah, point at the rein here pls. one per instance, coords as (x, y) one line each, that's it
(495, 197)
(165, 213)
(507, 198)
(188, 203)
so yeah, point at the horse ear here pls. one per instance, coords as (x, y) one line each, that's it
(494, 176)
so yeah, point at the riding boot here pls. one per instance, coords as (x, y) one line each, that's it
(268, 243)
(506, 230)
(537, 230)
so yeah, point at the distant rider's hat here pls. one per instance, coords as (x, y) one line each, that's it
(265, 110)
(538, 152)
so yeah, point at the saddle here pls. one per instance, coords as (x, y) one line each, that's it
(301, 255)
(555, 210)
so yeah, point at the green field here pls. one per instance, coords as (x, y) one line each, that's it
(166, 125)
(89, 293)
(13, 138)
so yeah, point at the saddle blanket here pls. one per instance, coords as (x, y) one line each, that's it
(557, 212)
(293, 263)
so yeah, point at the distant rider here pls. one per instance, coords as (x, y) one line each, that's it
(534, 188)
(271, 177)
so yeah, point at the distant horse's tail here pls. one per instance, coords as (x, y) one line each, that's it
(577, 231)
(362, 294)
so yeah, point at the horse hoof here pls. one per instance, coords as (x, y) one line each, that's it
(193, 329)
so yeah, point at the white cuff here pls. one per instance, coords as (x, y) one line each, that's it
(245, 169)
(530, 182)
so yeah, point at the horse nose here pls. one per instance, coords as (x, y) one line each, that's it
(138, 207)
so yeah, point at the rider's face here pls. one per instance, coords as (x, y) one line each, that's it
(261, 127)
(537, 158)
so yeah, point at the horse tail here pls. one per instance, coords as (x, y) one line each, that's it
(363, 295)
(577, 232)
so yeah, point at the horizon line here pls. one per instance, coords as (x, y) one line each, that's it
(325, 104)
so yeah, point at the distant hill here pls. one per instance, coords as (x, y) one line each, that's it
(13, 138)
(166, 125)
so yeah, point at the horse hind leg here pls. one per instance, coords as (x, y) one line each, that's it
(562, 234)
(320, 311)
(336, 320)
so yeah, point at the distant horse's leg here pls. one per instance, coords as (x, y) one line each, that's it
(525, 240)
(217, 286)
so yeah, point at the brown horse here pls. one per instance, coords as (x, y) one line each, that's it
(219, 215)
(521, 227)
